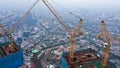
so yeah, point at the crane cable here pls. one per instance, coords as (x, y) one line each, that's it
(6, 17)
(18, 22)
(69, 11)
(66, 10)
(78, 17)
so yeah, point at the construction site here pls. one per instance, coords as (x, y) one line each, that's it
(12, 54)
(76, 59)
(84, 59)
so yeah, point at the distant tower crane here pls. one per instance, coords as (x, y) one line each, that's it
(107, 43)
(18, 22)
(18, 55)
(72, 33)
(15, 25)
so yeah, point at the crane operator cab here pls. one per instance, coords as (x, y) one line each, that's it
(105, 45)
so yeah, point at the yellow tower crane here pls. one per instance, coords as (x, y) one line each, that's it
(107, 43)
(6, 32)
(72, 34)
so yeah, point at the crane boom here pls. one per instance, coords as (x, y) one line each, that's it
(76, 29)
(72, 39)
(18, 22)
(59, 18)
(72, 34)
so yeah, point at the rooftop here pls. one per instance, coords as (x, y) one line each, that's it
(84, 59)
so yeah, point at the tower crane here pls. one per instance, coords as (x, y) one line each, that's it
(71, 33)
(18, 55)
(6, 32)
(107, 43)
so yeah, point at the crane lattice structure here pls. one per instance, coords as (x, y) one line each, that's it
(107, 43)
(24, 15)
(71, 33)
(7, 32)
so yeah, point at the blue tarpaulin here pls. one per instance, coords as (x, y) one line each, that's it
(13, 60)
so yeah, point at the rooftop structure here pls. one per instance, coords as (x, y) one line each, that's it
(87, 58)
(11, 56)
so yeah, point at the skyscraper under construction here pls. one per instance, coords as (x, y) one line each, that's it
(87, 58)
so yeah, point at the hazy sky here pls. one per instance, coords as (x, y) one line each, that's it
(10, 4)
(92, 3)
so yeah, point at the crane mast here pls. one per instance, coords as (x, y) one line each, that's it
(76, 29)
(6, 32)
(107, 43)
(72, 33)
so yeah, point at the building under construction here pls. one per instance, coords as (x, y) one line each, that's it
(11, 56)
(86, 58)
(90, 58)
